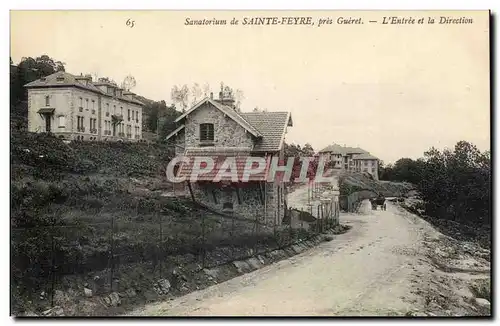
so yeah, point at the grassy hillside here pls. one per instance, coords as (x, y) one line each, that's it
(86, 212)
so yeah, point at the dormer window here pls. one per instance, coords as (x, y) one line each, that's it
(47, 100)
(207, 132)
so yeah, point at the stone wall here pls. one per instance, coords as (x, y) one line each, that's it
(251, 205)
(180, 142)
(227, 132)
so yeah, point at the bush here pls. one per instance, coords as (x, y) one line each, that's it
(455, 185)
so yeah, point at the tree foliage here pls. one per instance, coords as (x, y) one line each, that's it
(184, 96)
(455, 184)
(128, 83)
(30, 69)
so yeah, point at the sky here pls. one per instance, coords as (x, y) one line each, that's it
(393, 90)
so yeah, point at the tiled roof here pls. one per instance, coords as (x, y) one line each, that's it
(344, 150)
(219, 155)
(268, 127)
(364, 156)
(334, 149)
(226, 110)
(64, 79)
(272, 126)
(214, 151)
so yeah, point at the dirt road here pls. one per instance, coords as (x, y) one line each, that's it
(379, 267)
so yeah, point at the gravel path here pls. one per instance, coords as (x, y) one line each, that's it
(370, 270)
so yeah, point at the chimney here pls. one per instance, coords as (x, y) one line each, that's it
(211, 95)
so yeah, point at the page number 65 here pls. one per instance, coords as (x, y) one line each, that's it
(130, 23)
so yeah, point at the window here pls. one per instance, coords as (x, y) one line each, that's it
(47, 100)
(62, 121)
(81, 102)
(93, 125)
(206, 132)
(86, 103)
(121, 110)
(114, 109)
(128, 114)
(80, 124)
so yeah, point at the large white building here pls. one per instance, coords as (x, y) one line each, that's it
(351, 159)
(76, 108)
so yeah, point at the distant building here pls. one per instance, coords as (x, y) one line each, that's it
(351, 159)
(76, 108)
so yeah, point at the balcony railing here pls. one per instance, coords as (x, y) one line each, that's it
(121, 134)
(107, 114)
(93, 111)
(80, 129)
(80, 109)
(117, 118)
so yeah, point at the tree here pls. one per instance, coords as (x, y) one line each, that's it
(128, 83)
(454, 183)
(47, 65)
(180, 96)
(206, 90)
(238, 97)
(196, 93)
(308, 150)
(28, 70)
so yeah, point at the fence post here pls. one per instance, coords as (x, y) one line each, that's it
(232, 235)
(160, 245)
(53, 263)
(112, 253)
(203, 252)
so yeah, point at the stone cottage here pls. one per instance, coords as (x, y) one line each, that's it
(213, 127)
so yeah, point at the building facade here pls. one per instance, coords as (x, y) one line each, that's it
(214, 128)
(76, 108)
(351, 159)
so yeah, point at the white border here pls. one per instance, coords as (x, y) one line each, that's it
(190, 5)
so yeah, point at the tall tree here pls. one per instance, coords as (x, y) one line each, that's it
(180, 96)
(206, 90)
(196, 93)
(128, 83)
(238, 97)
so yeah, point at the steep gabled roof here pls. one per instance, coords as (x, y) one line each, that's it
(272, 126)
(268, 127)
(227, 111)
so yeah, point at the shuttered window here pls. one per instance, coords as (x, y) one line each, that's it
(206, 132)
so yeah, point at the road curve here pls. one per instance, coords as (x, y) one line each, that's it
(367, 271)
